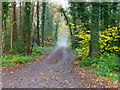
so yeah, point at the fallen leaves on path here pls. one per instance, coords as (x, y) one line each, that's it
(95, 78)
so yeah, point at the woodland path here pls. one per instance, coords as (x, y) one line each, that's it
(53, 70)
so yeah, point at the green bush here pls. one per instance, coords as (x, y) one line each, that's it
(37, 50)
(107, 65)
(10, 60)
(40, 50)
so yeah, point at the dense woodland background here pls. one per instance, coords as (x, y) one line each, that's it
(30, 29)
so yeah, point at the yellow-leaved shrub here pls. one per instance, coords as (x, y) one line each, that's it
(107, 40)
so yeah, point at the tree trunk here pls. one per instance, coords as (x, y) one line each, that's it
(33, 29)
(94, 45)
(69, 25)
(27, 29)
(56, 32)
(20, 25)
(0, 29)
(43, 21)
(14, 35)
(106, 14)
(75, 44)
(5, 9)
(37, 28)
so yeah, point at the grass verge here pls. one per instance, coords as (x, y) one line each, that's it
(107, 65)
(10, 60)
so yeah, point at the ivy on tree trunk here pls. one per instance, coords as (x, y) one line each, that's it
(94, 45)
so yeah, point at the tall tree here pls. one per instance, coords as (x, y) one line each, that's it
(37, 28)
(94, 45)
(27, 28)
(56, 32)
(106, 13)
(68, 23)
(5, 9)
(20, 18)
(43, 22)
(74, 21)
(0, 31)
(14, 39)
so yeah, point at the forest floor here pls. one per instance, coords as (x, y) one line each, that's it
(51, 70)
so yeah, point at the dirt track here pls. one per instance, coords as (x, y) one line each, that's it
(53, 71)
